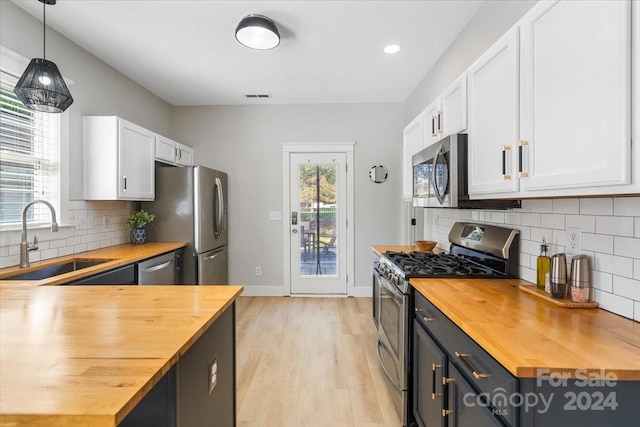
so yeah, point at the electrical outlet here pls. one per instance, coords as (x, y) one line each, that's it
(258, 271)
(574, 240)
(212, 377)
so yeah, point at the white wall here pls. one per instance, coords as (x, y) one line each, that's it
(611, 226)
(246, 143)
(98, 89)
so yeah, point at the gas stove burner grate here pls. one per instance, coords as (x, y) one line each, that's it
(420, 264)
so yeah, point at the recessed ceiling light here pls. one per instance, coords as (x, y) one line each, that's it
(392, 48)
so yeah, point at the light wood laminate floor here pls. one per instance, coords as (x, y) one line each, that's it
(309, 362)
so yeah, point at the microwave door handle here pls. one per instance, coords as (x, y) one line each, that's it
(439, 196)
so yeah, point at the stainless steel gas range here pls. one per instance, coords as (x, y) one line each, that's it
(477, 251)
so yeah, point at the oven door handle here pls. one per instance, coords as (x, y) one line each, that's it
(389, 287)
(384, 368)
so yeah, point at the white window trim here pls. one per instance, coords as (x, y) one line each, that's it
(14, 64)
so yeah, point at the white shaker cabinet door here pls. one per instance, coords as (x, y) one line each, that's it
(432, 122)
(165, 149)
(136, 148)
(493, 118)
(184, 155)
(412, 142)
(454, 107)
(576, 89)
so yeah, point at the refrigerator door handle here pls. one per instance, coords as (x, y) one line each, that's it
(210, 257)
(218, 208)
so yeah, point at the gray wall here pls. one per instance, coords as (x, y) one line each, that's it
(98, 89)
(491, 21)
(246, 143)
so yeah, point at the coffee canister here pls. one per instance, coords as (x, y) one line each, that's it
(580, 280)
(559, 276)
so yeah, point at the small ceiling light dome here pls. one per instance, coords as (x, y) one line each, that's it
(258, 32)
(392, 48)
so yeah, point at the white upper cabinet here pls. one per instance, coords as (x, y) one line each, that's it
(454, 108)
(493, 118)
(412, 142)
(432, 116)
(575, 95)
(118, 160)
(172, 152)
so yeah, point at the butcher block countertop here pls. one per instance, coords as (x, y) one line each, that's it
(525, 333)
(117, 256)
(86, 355)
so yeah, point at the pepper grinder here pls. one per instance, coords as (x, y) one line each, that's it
(580, 278)
(559, 276)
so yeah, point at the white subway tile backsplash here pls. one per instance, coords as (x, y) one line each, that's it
(542, 205)
(556, 221)
(586, 223)
(528, 274)
(566, 206)
(636, 269)
(637, 227)
(621, 266)
(626, 246)
(626, 287)
(67, 250)
(531, 219)
(529, 247)
(602, 281)
(596, 206)
(497, 217)
(636, 311)
(626, 206)
(538, 233)
(614, 303)
(615, 225)
(597, 243)
(525, 206)
(513, 218)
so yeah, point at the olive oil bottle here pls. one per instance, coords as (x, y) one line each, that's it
(544, 265)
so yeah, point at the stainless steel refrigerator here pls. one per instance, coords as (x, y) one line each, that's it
(190, 205)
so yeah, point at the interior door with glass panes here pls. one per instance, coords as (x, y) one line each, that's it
(318, 223)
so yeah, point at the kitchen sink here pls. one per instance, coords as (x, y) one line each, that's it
(48, 271)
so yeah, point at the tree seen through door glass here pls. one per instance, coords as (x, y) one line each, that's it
(318, 248)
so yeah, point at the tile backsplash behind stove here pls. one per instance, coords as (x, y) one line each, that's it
(88, 225)
(610, 237)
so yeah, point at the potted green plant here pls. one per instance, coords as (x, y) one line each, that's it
(138, 220)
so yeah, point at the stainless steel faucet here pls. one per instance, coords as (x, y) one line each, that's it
(25, 247)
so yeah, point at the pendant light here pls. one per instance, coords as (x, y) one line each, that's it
(257, 32)
(41, 86)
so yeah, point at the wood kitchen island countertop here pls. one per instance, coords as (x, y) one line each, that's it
(86, 355)
(115, 256)
(525, 333)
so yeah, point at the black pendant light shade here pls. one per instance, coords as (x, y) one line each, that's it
(42, 87)
(257, 32)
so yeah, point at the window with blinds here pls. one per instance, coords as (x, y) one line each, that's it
(29, 166)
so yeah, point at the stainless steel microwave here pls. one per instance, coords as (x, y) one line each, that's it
(440, 178)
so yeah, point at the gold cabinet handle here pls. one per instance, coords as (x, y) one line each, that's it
(505, 176)
(464, 359)
(521, 158)
(446, 412)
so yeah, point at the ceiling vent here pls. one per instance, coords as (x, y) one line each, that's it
(257, 95)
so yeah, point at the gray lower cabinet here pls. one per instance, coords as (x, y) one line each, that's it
(454, 379)
(199, 390)
(205, 390)
(456, 383)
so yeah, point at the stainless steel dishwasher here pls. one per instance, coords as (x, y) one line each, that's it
(159, 270)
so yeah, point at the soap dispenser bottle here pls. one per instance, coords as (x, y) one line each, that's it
(543, 267)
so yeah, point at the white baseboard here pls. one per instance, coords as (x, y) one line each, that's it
(263, 291)
(278, 291)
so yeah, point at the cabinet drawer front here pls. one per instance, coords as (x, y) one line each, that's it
(482, 370)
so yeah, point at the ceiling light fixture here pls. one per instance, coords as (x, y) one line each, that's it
(392, 48)
(257, 32)
(41, 87)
